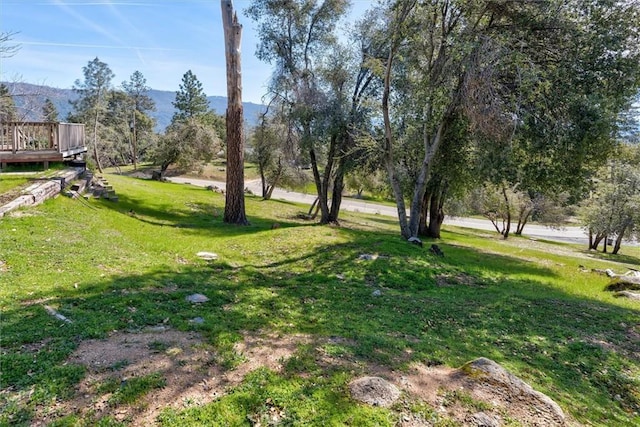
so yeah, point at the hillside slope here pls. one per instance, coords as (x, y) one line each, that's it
(29, 98)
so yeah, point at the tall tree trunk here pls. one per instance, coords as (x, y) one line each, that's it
(313, 209)
(432, 213)
(234, 210)
(327, 179)
(262, 163)
(134, 140)
(596, 240)
(269, 192)
(389, 161)
(523, 218)
(263, 181)
(507, 226)
(618, 242)
(436, 213)
(431, 146)
(336, 195)
(423, 226)
(321, 188)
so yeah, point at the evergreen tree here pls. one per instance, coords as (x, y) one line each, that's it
(194, 135)
(8, 112)
(191, 100)
(91, 104)
(49, 111)
(141, 125)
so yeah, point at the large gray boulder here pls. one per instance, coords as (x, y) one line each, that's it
(542, 408)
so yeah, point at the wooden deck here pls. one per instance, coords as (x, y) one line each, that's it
(22, 142)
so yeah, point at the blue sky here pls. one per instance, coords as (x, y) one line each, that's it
(160, 38)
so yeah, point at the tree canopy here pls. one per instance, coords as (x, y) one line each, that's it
(541, 86)
(91, 104)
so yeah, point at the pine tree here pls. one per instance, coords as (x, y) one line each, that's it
(136, 89)
(91, 104)
(49, 111)
(191, 100)
(8, 111)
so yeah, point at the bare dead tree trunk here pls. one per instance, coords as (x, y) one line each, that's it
(234, 210)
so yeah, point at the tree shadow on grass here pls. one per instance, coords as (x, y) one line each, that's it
(198, 216)
(403, 306)
(619, 258)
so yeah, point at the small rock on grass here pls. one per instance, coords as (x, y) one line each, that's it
(415, 241)
(209, 256)
(629, 294)
(197, 298)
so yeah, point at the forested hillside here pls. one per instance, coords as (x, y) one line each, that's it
(30, 97)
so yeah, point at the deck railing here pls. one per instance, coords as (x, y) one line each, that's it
(41, 136)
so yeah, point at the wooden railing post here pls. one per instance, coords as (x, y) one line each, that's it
(14, 133)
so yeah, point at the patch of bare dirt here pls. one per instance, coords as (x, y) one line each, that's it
(10, 195)
(188, 366)
(269, 351)
(182, 358)
(448, 279)
(22, 213)
(629, 347)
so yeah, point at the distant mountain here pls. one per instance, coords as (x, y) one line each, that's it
(29, 98)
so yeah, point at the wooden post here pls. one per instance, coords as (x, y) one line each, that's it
(14, 135)
(234, 210)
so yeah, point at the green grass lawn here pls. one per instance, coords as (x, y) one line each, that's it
(10, 182)
(17, 176)
(524, 304)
